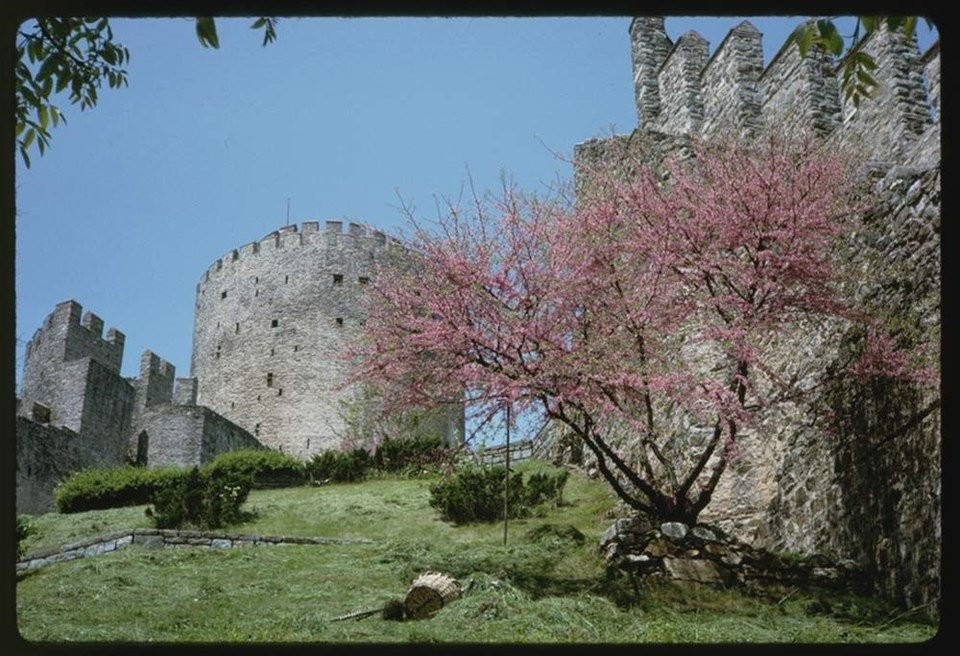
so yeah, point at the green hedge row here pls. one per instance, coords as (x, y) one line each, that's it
(266, 468)
(96, 489)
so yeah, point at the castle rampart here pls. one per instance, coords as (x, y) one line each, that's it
(868, 487)
(680, 91)
(77, 411)
(67, 357)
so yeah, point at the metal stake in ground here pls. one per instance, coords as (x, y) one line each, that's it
(506, 482)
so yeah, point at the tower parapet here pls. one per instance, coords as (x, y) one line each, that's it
(680, 91)
(649, 48)
(155, 385)
(64, 336)
(185, 392)
(734, 107)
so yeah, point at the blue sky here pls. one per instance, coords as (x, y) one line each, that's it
(137, 197)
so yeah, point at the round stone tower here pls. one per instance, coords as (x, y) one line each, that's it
(273, 320)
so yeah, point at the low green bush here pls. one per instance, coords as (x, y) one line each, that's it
(542, 487)
(100, 488)
(417, 453)
(24, 529)
(200, 498)
(339, 466)
(475, 494)
(269, 469)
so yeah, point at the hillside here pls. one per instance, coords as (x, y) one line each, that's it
(546, 589)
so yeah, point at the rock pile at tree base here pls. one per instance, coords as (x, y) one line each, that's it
(701, 554)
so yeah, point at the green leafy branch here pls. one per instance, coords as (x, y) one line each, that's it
(77, 56)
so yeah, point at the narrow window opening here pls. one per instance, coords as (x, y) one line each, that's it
(274, 323)
(339, 322)
(223, 294)
(258, 397)
(363, 280)
(280, 392)
(286, 279)
(338, 279)
(237, 328)
(269, 380)
(308, 442)
(296, 348)
(233, 405)
(273, 351)
(218, 324)
(256, 280)
(256, 292)
(256, 429)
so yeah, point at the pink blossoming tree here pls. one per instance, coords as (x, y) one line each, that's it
(644, 311)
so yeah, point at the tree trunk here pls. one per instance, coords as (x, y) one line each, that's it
(428, 593)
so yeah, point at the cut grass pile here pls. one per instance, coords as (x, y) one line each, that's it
(546, 588)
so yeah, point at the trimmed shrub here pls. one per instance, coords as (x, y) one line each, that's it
(475, 494)
(267, 468)
(200, 499)
(339, 466)
(395, 455)
(96, 489)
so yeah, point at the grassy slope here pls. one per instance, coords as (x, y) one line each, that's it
(526, 591)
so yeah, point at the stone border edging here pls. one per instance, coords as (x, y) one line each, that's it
(154, 537)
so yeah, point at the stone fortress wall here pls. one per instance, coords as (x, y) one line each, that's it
(274, 316)
(868, 489)
(273, 321)
(76, 410)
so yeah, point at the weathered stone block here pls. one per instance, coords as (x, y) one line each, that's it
(704, 533)
(150, 541)
(691, 569)
(676, 530)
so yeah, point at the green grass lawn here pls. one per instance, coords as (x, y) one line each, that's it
(548, 590)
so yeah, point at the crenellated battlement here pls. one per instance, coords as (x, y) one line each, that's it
(680, 90)
(357, 240)
(69, 334)
(155, 385)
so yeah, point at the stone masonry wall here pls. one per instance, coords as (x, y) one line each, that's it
(45, 454)
(273, 321)
(870, 488)
(734, 108)
(856, 476)
(680, 92)
(49, 377)
(221, 435)
(184, 436)
(78, 412)
(107, 404)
